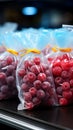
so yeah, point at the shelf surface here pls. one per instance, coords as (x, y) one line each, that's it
(52, 118)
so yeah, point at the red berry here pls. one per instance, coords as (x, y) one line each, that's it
(46, 85)
(67, 94)
(35, 69)
(42, 76)
(65, 86)
(58, 80)
(28, 105)
(64, 74)
(51, 102)
(40, 94)
(71, 83)
(71, 73)
(33, 91)
(36, 101)
(57, 71)
(71, 62)
(9, 60)
(65, 56)
(43, 67)
(63, 101)
(59, 90)
(37, 84)
(25, 78)
(47, 72)
(27, 64)
(2, 76)
(57, 62)
(36, 60)
(27, 96)
(21, 72)
(31, 76)
(65, 64)
(24, 87)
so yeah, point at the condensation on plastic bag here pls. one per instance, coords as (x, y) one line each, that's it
(34, 82)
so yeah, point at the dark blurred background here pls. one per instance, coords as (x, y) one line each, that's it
(41, 13)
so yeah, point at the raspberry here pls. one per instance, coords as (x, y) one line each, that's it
(3, 63)
(40, 94)
(35, 69)
(36, 60)
(57, 71)
(2, 76)
(9, 60)
(10, 69)
(71, 83)
(36, 101)
(59, 90)
(65, 64)
(24, 87)
(29, 105)
(37, 84)
(57, 62)
(33, 91)
(4, 89)
(67, 94)
(71, 73)
(10, 80)
(25, 78)
(47, 72)
(31, 76)
(58, 80)
(51, 102)
(64, 74)
(27, 96)
(42, 76)
(63, 101)
(65, 56)
(65, 86)
(46, 85)
(50, 79)
(27, 64)
(21, 72)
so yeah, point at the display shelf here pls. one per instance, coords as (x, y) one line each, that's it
(52, 118)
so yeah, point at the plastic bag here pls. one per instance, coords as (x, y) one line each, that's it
(34, 82)
(62, 70)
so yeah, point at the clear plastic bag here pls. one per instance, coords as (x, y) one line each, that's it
(34, 82)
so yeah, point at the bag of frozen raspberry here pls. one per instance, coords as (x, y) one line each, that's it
(62, 71)
(34, 81)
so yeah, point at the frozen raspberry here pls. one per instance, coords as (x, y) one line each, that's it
(65, 86)
(67, 94)
(10, 69)
(33, 91)
(4, 89)
(36, 101)
(59, 90)
(25, 78)
(63, 101)
(42, 76)
(64, 74)
(2, 96)
(65, 64)
(51, 102)
(3, 63)
(71, 83)
(21, 72)
(71, 73)
(35, 69)
(40, 94)
(65, 56)
(28, 105)
(31, 76)
(27, 64)
(57, 71)
(37, 84)
(57, 62)
(46, 85)
(27, 96)
(24, 87)
(52, 91)
(9, 60)
(58, 80)
(36, 60)
(50, 79)
(2, 76)
(10, 80)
